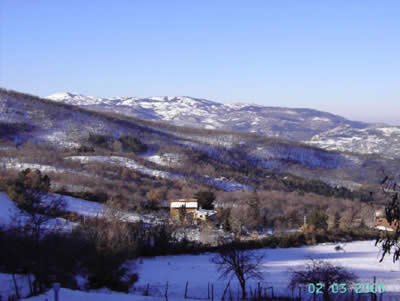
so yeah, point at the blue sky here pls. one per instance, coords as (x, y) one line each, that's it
(337, 56)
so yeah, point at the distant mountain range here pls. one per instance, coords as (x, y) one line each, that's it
(321, 129)
(67, 123)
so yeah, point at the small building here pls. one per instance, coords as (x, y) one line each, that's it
(205, 215)
(176, 205)
(381, 223)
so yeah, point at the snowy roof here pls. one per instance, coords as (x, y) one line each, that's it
(183, 200)
(383, 228)
(187, 203)
(184, 204)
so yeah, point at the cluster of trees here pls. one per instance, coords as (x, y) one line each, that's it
(122, 144)
(10, 130)
(32, 246)
(284, 211)
(244, 265)
(100, 247)
(282, 202)
(97, 248)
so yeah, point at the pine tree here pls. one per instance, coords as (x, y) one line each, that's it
(336, 221)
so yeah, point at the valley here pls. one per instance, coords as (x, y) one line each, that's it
(117, 170)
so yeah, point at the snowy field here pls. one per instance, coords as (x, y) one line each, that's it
(70, 295)
(362, 258)
(10, 214)
(8, 211)
(93, 209)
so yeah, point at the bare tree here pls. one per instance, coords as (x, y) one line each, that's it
(391, 241)
(242, 264)
(322, 272)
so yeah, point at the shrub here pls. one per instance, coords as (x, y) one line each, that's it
(127, 143)
(318, 219)
(132, 144)
(98, 196)
(205, 198)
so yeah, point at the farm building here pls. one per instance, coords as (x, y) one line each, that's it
(205, 215)
(177, 205)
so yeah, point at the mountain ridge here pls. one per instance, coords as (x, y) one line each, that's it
(310, 126)
(231, 154)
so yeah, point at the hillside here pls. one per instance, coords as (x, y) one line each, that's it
(105, 164)
(324, 130)
(229, 154)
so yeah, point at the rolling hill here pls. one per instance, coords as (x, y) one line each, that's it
(321, 129)
(236, 159)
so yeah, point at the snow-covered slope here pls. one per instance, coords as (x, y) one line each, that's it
(7, 209)
(321, 129)
(361, 258)
(222, 183)
(10, 214)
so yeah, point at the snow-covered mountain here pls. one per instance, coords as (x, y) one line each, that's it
(314, 127)
(54, 124)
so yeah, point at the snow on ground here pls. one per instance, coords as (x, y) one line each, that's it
(388, 131)
(7, 288)
(13, 164)
(92, 209)
(226, 184)
(80, 206)
(70, 295)
(362, 258)
(7, 209)
(167, 159)
(321, 119)
(59, 138)
(10, 214)
(128, 163)
(222, 183)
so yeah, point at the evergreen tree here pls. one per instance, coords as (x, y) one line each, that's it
(318, 219)
(253, 212)
(336, 221)
(205, 198)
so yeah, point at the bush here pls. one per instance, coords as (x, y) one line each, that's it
(98, 196)
(132, 144)
(205, 198)
(127, 143)
(318, 219)
(106, 269)
(85, 149)
(63, 257)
